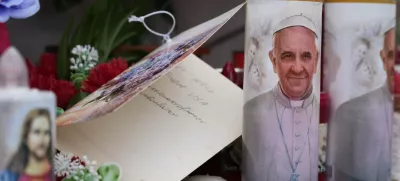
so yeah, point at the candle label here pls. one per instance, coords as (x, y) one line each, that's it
(282, 90)
(359, 55)
(27, 141)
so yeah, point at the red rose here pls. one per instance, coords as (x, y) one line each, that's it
(48, 64)
(397, 83)
(4, 38)
(43, 77)
(103, 73)
(324, 107)
(322, 176)
(64, 90)
(229, 72)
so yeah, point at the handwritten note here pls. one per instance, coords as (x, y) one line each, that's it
(170, 102)
(168, 130)
(160, 105)
(195, 89)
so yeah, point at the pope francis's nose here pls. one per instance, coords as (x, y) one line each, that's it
(297, 66)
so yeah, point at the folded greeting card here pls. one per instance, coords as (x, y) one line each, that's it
(163, 117)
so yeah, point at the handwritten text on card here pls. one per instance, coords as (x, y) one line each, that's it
(170, 104)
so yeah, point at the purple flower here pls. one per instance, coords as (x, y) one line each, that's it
(18, 9)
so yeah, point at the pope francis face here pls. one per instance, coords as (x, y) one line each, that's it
(294, 58)
(388, 56)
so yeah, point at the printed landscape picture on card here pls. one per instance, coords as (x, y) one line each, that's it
(281, 90)
(163, 117)
(359, 57)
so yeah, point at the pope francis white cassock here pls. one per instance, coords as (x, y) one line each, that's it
(280, 131)
(361, 129)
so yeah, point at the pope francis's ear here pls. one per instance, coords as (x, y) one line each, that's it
(272, 58)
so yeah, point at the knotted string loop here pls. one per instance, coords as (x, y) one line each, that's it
(141, 19)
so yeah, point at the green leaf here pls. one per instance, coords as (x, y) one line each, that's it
(78, 82)
(64, 5)
(86, 175)
(78, 97)
(109, 172)
(77, 75)
(59, 111)
(164, 5)
(105, 27)
(63, 63)
(82, 34)
(94, 28)
(132, 57)
(104, 39)
(100, 5)
(122, 39)
(118, 28)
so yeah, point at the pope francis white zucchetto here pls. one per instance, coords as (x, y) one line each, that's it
(280, 134)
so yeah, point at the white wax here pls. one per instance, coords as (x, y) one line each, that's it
(22, 93)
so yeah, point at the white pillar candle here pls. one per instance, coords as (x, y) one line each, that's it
(27, 123)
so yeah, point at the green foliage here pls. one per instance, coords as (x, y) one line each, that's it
(59, 111)
(131, 57)
(77, 79)
(164, 5)
(398, 36)
(78, 97)
(83, 176)
(104, 26)
(110, 172)
(63, 62)
(64, 5)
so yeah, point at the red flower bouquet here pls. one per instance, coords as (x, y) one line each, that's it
(103, 73)
(68, 167)
(43, 77)
(64, 90)
(48, 64)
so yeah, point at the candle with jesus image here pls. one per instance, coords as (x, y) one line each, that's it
(27, 124)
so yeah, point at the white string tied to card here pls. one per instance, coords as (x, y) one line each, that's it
(166, 36)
